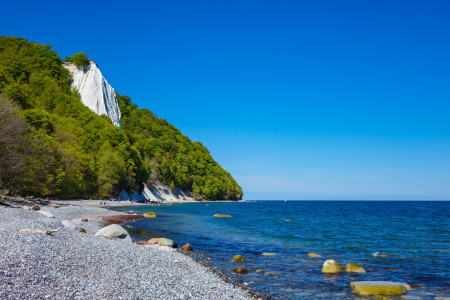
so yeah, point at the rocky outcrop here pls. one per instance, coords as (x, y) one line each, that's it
(95, 92)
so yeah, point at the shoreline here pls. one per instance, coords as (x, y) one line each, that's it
(72, 264)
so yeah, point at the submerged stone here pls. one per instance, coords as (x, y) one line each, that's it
(222, 216)
(368, 288)
(268, 254)
(238, 258)
(331, 266)
(314, 255)
(354, 268)
(240, 270)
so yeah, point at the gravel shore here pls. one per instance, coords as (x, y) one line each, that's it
(69, 264)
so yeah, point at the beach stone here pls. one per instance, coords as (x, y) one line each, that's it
(167, 249)
(314, 255)
(46, 213)
(166, 242)
(187, 247)
(368, 288)
(150, 215)
(84, 220)
(240, 270)
(69, 224)
(80, 229)
(354, 268)
(238, 258)
(114, 231)
(331, 266)
(222, 216)
(152, 241)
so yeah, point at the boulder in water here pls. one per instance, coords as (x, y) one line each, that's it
(354, 268)
(113, 232)
(222, 216)
(238, 258)
(150, 215)
(331, 266)
(314, 255)
(369, 288)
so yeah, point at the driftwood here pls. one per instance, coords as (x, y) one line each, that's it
(48, 231)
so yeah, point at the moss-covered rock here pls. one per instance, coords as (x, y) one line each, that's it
(238, 258)
(167, 242)
(369, 288)
(222, 216)
(354, 268)
(314, 255)
(331, 267)
(150, 215)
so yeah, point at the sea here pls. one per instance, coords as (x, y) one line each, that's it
(399, 241)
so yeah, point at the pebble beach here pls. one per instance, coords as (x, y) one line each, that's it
(69, 264)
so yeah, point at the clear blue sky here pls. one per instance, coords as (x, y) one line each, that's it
(296, 99)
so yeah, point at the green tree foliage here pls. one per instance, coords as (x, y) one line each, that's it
(178, 161)
(79, 59)
(61, 148)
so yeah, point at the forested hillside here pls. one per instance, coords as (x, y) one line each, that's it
(53, 145)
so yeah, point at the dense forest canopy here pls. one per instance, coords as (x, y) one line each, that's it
(60, 148)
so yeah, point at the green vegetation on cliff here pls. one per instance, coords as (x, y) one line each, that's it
(60, 148)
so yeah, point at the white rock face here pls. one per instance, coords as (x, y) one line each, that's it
(95, 92)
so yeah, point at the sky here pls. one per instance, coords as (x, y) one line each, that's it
(298, 100)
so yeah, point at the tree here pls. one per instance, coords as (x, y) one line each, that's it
(13, 142)
(80, 59)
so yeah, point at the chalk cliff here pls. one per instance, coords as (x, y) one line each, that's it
(95, 92)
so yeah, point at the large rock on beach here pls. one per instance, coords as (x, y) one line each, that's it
(114, 231)
(369, 288)
(238, 258)
(166, 242)
(354, 268)
(46, 213)
(152, 241)
(222, 216)
(150, 215)
(331, 267)
(69, 224)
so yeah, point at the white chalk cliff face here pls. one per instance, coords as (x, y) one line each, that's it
(95, 92)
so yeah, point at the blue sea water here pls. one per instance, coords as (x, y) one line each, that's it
(415, 236)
